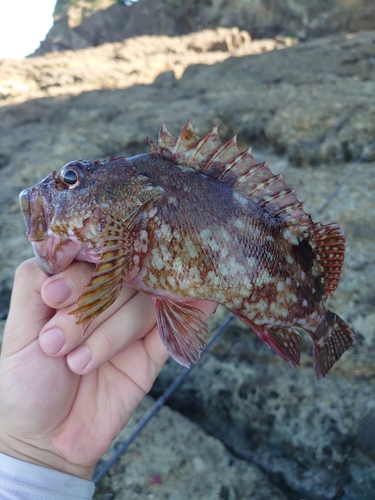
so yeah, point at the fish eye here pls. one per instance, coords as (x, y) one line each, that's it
(72, 174)
(70, 177)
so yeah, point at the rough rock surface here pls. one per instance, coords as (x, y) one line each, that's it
(120, 65)
(313, 103)
(86, 23)
(193, 465)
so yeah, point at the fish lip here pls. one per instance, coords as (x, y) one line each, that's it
(43, 264)
(44, 253)
(25, 209)
(54, 254)
(35, 214)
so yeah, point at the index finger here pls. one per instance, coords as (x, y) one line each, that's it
(28, 313)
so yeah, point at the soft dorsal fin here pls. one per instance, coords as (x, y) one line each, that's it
(328, 244)
(225, 162)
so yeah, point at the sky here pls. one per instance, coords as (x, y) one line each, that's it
(23, 25)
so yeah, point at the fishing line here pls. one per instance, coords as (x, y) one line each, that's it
(101, 470)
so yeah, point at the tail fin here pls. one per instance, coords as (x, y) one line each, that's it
(336, 339)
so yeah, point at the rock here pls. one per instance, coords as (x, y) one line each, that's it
(283, 98)
(365, 438)
(133, 61)
(174, 458)
(86, 23)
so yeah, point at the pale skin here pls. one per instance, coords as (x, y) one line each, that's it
(63, 399)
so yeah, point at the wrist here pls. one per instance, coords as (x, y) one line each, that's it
(21, 479)
(33, 454)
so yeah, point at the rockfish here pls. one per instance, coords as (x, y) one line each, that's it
(194, 219)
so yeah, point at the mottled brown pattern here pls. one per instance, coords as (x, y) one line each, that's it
(194, 219)
(303, 255)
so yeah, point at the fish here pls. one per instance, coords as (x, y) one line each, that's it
(194, 219)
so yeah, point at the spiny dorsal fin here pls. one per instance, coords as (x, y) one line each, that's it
(225, 162)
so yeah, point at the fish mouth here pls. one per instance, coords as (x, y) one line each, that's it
(53, 252)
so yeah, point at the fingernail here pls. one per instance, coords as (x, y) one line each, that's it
(59, 290)
(79, 358)
(52, 341)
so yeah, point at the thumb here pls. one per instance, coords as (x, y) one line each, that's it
(28, 313)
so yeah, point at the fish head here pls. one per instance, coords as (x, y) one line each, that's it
(65, 212)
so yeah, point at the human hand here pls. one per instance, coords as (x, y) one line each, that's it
(63, 399)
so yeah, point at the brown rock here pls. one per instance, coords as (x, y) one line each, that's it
(86, 23)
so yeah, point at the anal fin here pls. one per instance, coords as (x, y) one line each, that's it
(336, 339)
(285, 341)
(183, 329)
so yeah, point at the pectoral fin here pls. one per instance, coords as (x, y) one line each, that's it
(183, 329)
(106, 282)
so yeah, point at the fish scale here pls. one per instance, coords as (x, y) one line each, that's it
(194, 219)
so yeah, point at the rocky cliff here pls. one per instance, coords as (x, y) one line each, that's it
(244, 425)
(85, 23)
